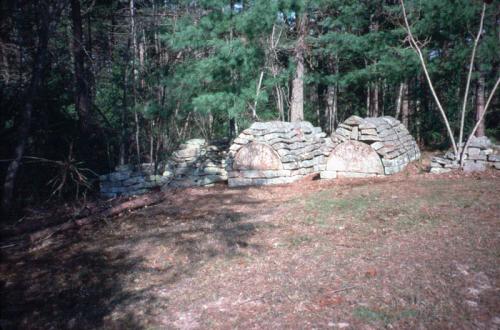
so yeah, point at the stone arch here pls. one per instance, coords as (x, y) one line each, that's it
(257, 156)
(353, 159)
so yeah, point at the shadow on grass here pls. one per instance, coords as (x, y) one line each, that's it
(102, 277)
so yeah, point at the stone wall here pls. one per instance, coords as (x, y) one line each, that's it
(195, 164)
(480, 155)
(369, 147)
(198, 164)
(276, 153)
(129, 180)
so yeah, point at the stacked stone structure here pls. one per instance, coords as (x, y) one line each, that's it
(480, 155)
(276, 153)
(129, 180)
(198, 164)
(369, 147)
(195, 164)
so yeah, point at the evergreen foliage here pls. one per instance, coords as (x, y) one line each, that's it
(169, 70)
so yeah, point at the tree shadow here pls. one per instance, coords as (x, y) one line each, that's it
(76, 291)
(107, 276)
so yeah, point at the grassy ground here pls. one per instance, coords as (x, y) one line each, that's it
(415, 251)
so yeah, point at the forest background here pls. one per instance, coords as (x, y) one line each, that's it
(86, 85)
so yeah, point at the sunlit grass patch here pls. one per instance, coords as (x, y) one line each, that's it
(372, 315)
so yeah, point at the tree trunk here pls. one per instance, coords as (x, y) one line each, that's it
(280, 103)
(399, 100)
(375, 111)
(368, 99)
(133, 35)
(385, 90)
(89, 72)
(405, 107)
(480, 95)
(418, 121)
(152, 140)
(24, 129)
(331, 108)
(142, 56)
(123, 119)
(272, 62)
(297, 102)
(233, 128)
(82, 96)
(314, 101)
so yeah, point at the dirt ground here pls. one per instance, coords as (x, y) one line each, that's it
(412, 251)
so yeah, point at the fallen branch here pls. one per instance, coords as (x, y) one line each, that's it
(130, 205)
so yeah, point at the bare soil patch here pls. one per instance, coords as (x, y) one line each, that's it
(409, 251)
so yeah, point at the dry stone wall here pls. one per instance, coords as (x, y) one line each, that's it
(276, 153)
(198, 164)
(195, 164)
(369, 147)
(480, 155)
(129, 180)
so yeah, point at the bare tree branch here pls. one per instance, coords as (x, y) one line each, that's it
(415, 46)
(471, 67)
(494, 89)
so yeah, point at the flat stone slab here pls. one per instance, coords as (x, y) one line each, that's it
(471, 166)
(354, 157)
(328, 175)
(257, 156)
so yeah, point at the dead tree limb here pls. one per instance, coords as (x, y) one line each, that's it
(416, 47)
(130, 205)
(471, 67)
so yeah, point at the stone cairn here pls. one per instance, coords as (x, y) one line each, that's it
(369, 147)
(130, 180)
(276, 153)
(480, 155)
(198, 164)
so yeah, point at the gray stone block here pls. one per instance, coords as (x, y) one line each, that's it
(479, 156)
(328, 174)
(480, 142)
(343, 132)
(134, 180)
(441, 160)
(368, 131)
(474, 166)
(377, 145)
(354, 120)
(119, 176)
(494, 158)
(435, 164)
(440, 170)
(473, 151)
